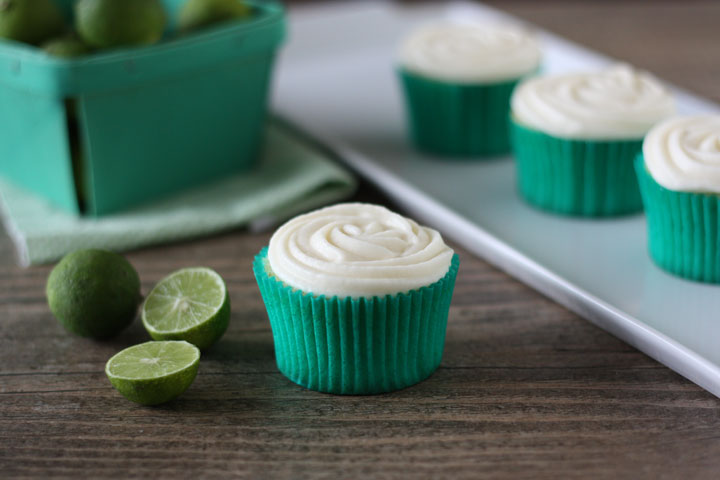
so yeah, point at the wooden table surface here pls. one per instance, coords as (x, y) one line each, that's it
(526, 389)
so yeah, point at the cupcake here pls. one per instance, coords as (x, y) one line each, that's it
(458, 79)
(575, 137)
(358, 298)
(679, 174)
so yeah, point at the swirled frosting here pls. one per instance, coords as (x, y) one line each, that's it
(357, 250)
(683, 153)
(470, 53)
(618, 103)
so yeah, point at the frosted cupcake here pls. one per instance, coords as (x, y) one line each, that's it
(458, 79)
(679, 173)
(358, 298)
(575, 137)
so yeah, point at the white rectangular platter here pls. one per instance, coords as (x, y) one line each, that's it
(337, 80)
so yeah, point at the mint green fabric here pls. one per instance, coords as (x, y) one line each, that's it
(291, 177)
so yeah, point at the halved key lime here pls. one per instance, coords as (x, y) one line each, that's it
(191, 304)
(154, 372)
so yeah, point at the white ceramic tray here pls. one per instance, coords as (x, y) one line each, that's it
(337, 80)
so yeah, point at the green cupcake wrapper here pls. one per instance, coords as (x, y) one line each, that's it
(356, 346)
(682, 228)
(458, 119)
(591, 178)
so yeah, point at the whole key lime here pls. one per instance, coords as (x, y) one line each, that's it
(30, 21)
(118, 23)
(65, 47)
(197, 14)
(94, 293)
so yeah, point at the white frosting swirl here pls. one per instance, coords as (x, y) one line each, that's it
(618, 103)
(357, 250)
(470, 53)
(683, 153)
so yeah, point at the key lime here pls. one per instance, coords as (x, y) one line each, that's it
(197, 14)
(191, 304)
(114, 23)
(153, 372)
(65, 47)
(30, 21)
(93, 293)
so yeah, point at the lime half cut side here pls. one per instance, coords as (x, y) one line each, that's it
(154, 372)
(191, 304)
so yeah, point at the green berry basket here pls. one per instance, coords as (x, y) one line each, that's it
(108, 131)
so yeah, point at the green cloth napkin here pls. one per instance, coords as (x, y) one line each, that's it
(291, 177)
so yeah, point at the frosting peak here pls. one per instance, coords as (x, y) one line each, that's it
(683, 153)
(470, 52)
(617, 103)
(357, 250)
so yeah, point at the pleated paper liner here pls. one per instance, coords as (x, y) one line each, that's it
(356, 346)
(682, 228)
(457, 119)
(591, 178)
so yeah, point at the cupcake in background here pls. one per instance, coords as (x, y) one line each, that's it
(679, 174)
(575, 137)
(358, 298)
(458, 79)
